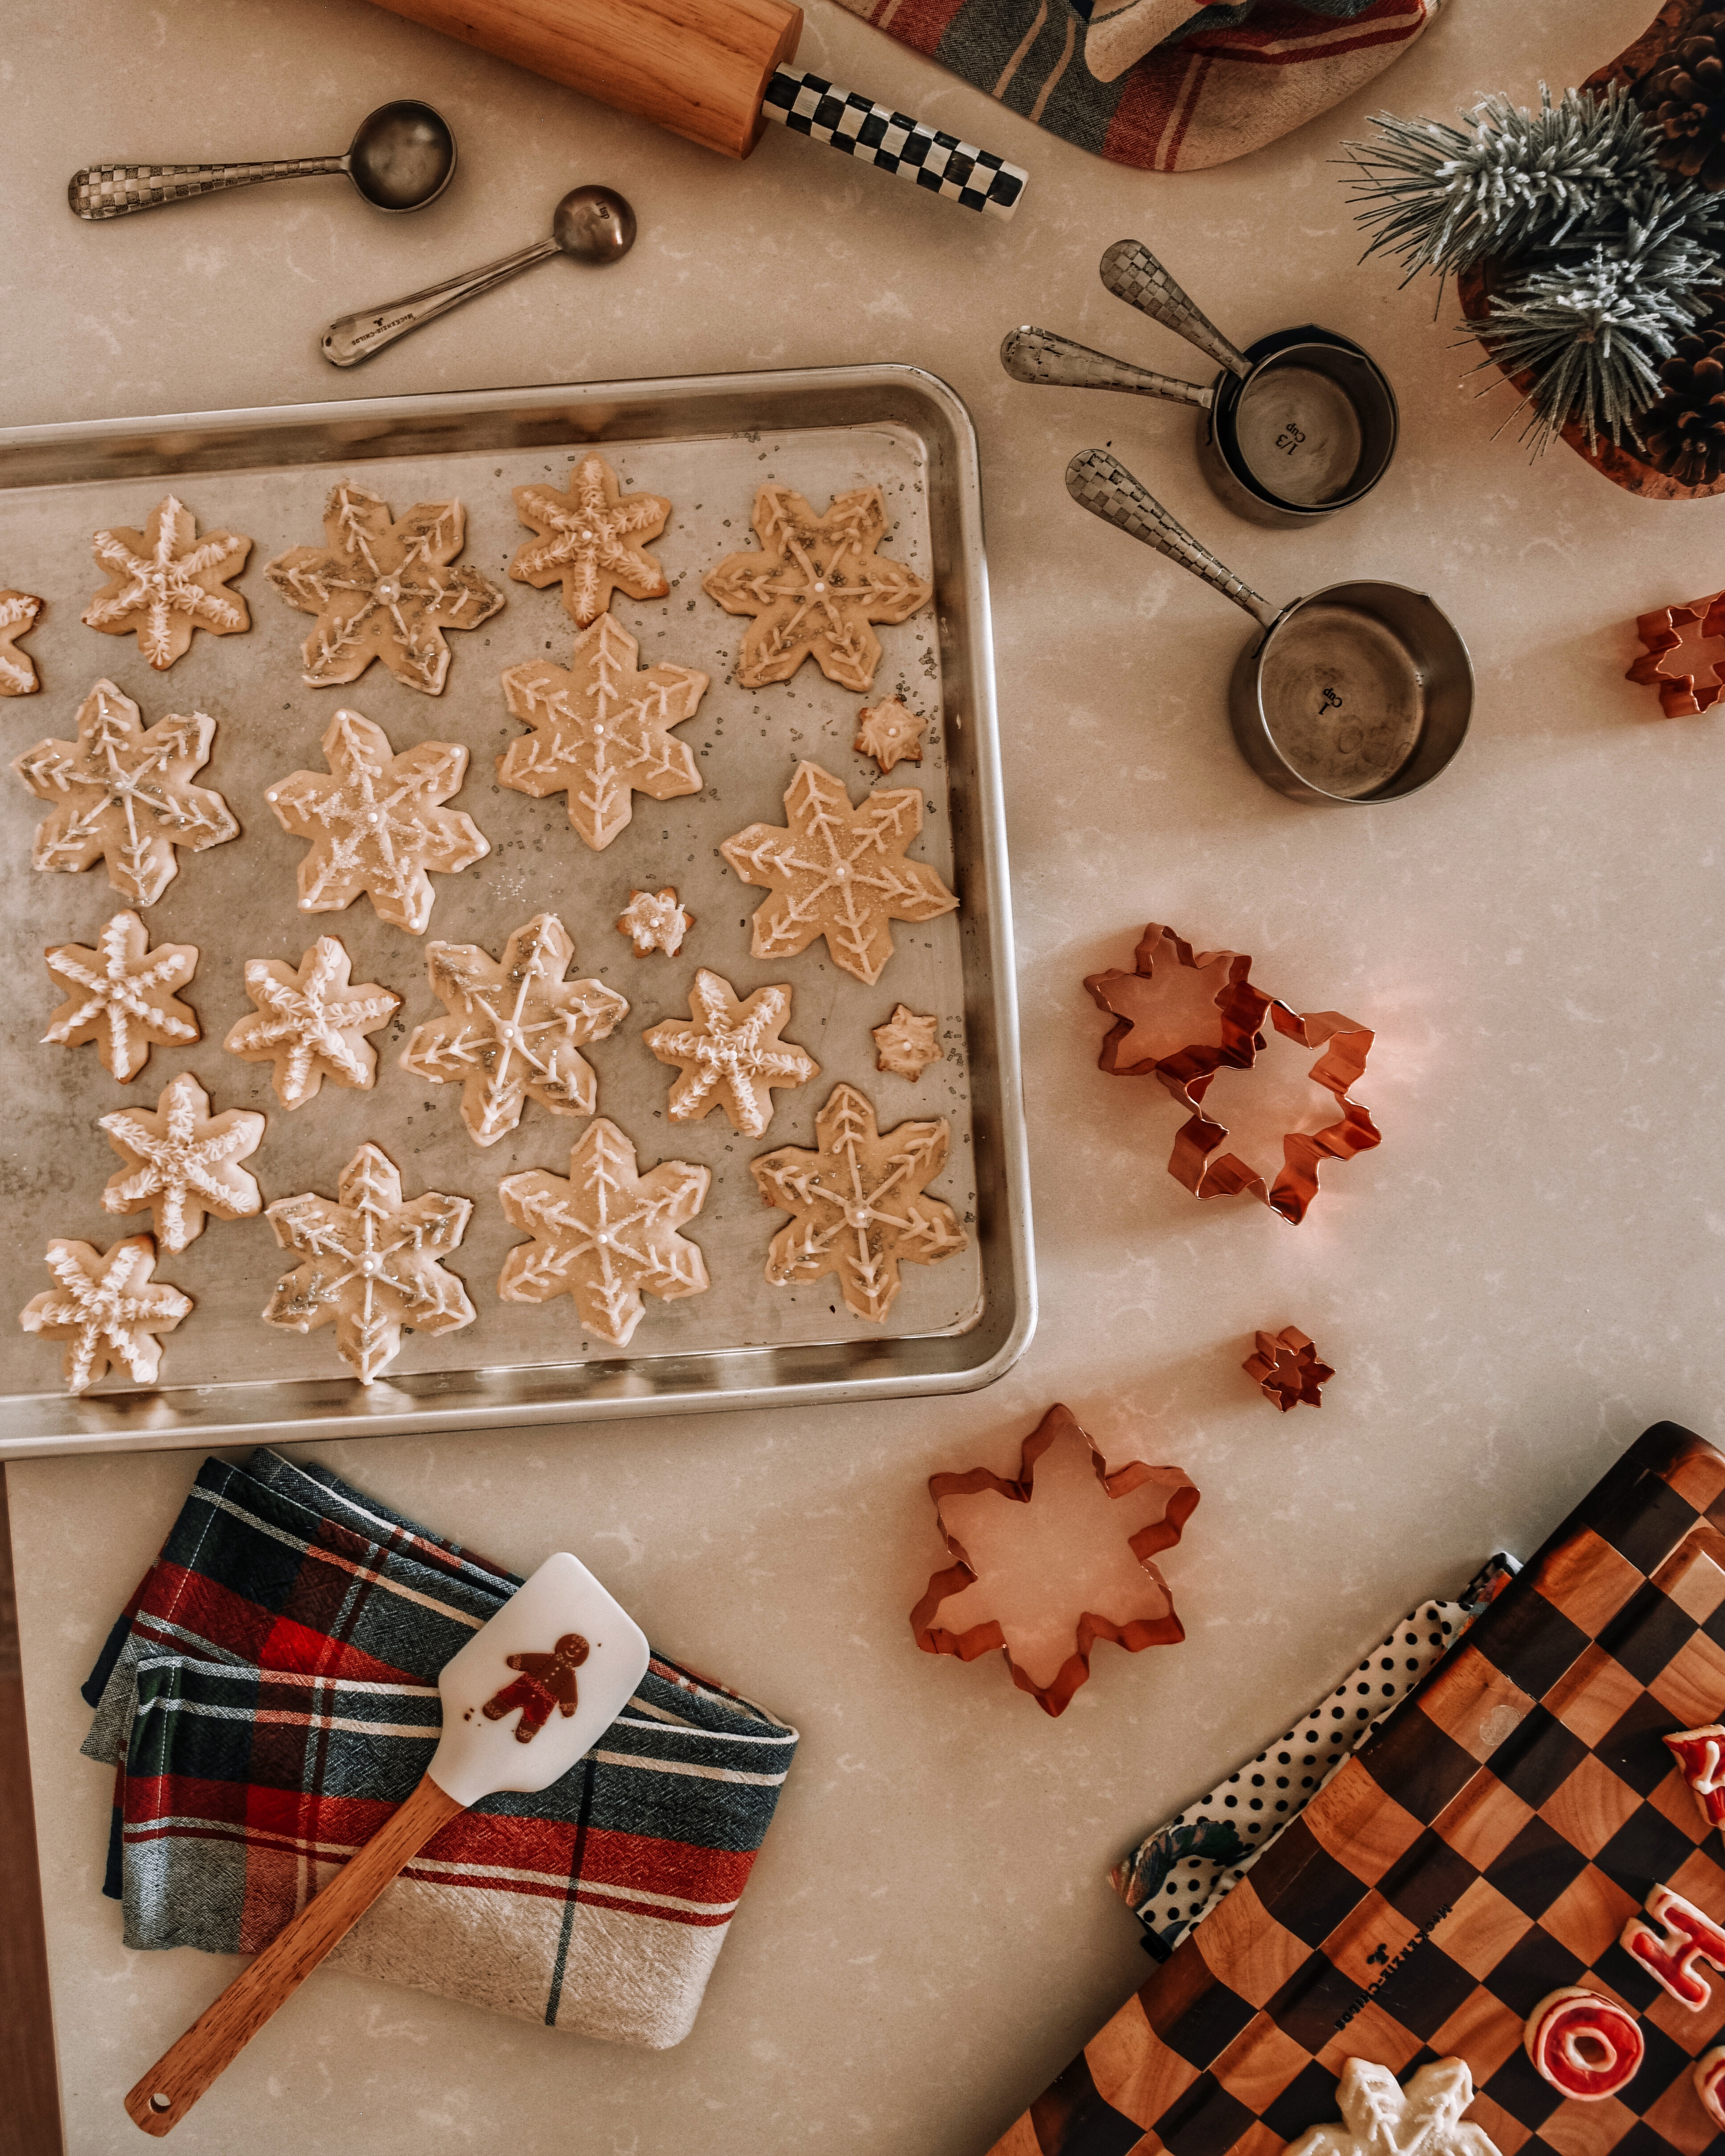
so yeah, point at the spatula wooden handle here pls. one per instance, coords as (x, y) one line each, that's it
(161, 2099)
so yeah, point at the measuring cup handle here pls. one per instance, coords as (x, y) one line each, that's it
(1132, 273)
(1104, 486)
(1056, 362)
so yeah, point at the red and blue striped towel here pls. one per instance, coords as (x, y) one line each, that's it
(270, 1697)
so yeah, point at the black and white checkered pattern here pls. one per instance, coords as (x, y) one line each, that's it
(105, 190)
(957, 170)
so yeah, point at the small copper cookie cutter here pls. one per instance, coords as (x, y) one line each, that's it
(1286, 1368)
(1681, 695)
(1298, 425)
(1187, 1073)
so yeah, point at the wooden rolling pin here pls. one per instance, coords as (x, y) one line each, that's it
(715, 72)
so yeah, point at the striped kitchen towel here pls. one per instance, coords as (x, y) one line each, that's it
(270, 1697)
(1172, 86)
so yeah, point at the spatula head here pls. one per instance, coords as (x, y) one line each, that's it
(535, 1689)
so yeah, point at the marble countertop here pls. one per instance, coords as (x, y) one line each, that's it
(1522, 1277)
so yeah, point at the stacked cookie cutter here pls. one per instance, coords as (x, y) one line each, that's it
(1357, 693)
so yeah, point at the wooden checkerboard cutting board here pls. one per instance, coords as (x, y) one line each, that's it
(1483, 1849)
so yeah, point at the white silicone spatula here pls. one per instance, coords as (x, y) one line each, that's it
(530, 1693)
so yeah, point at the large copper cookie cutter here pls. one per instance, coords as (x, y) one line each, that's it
(1186, 1070)
(1681, 695)
(1357, 693)
(1298, 425)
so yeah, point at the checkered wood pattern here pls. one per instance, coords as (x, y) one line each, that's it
(1485, 1848)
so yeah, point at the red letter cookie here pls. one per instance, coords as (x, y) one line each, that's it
(1698, 1752)
(1688, 1937)
(1587, 2046)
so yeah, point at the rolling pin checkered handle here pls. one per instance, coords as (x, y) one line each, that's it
(1104, 486)
(106, 191)
(957, 170)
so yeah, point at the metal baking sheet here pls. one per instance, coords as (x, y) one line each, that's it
(707, 444)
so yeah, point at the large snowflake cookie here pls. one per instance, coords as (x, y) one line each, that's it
(730, 1054)
(605, 1234)
(106, 1309)
(383, 589)
(17, 617)
(181, 1161)
(652, 920)
(838, 872)
(375, 823)
(371, 1263)
(120, 995)
(591, 540)
(601, 732)
(814, 585)
(165, 582)
(124, 795)
(859, 1202)
(310, 1022)
(514, 1027)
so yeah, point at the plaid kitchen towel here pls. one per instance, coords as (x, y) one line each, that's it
(268, 1697)
(1177, 1874)
(1172, 86)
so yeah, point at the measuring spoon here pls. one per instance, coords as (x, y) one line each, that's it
(594, 225)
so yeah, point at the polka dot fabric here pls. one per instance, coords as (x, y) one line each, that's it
(1179, 1873)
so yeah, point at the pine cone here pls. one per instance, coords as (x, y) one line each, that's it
(1684, 433)
(1684, 97)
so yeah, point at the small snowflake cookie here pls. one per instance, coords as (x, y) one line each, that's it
(310, 1022)
(907, 1045)
(890, 733)
(121, 996)
(729, 1054)
(591, 540)
(106, 1308)
(652, 920)
(165, 582)
(181, 1161)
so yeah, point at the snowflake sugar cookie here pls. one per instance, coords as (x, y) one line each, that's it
(906, 1045)
(371, 1263)
(106, 1309)
(383, 590)
(17, 617)
(814, 585)
(592, 540)
(652, 920)
(181, 1161)
(859, 1202)
(730, 1054)
(889, 733)
(125, 796)
(601, 732)
(838, 872)
(165, 586)
(604, 1234)
(120, 995)
(311, 1024)
(513, 1029)
(374, 823)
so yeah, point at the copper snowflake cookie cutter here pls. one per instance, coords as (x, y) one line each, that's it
(1681, 695)
(1137, 1634)
(1187, 1070)
(1286, 1368)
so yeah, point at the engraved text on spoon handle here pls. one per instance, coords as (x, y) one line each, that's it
(100, 192)
(356, 337)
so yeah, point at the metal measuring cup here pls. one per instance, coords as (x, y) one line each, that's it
(1357, 693)
(1296, 427)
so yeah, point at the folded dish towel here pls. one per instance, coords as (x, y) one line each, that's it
(1177, 1874)
(270, 1696)
(1170, 84)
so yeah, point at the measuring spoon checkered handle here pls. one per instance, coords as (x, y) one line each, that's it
(99, 191)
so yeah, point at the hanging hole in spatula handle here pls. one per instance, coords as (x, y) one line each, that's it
(1104, 486)
(1052, 361)
(1132, 273)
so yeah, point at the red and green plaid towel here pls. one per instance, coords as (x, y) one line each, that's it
(270, 1697)
(1169, 84)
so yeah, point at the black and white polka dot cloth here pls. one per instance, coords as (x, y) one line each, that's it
(1178, 1872)
(957, 172)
